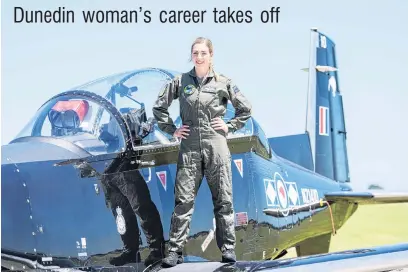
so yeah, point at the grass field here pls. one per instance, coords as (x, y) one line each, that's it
(370, 226)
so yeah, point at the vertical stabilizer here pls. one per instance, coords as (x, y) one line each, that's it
(325, 118)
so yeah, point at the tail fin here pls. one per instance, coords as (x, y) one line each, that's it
(325, 119)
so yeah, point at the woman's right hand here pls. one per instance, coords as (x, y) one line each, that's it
(181, 132)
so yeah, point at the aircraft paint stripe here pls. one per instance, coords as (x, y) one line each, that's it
(323, 120)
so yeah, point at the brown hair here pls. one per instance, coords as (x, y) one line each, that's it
(208, 43)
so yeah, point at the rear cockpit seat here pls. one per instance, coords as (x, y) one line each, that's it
(66, 118)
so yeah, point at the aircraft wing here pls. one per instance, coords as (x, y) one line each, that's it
(384, 258)
(367, 197)
(360, 198)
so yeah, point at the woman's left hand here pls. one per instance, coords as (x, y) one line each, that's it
(219, 124)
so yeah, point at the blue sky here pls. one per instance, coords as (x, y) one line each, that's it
(40, 60)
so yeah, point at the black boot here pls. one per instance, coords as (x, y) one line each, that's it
(127, 256)
(173, 259)
(228, 256)
(155, 256)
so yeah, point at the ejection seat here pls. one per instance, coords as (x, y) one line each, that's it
(66, 118)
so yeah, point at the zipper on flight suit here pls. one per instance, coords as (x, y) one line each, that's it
(198, 109)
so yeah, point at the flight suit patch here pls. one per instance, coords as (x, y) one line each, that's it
(235, 89)
(189, 89)
(120, 221)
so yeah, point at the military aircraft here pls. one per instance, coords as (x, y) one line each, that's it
(290, 191)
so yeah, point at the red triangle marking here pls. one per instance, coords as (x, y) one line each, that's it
(163, 178)
(238, 163)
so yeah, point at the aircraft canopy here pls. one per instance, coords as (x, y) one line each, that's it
(87, 115)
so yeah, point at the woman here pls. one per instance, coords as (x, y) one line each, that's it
(203, 96)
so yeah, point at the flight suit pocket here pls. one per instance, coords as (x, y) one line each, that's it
(208, 95)
(184, 159)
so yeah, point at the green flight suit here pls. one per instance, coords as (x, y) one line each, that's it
(204, 152)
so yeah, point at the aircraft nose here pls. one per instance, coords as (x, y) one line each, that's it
(16, 212)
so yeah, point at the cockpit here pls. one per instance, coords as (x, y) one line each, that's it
(93, 116)
(66, 117)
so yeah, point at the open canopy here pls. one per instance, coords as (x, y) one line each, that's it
(89, 115)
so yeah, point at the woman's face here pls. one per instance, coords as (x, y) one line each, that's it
(201, 56)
